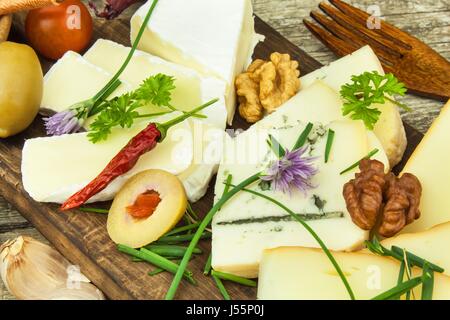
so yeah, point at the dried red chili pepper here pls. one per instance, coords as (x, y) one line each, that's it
(127, 157)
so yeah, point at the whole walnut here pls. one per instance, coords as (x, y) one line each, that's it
(382, 201)
(266, 85)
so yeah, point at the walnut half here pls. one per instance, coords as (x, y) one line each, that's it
(266, 85)
(375, 199)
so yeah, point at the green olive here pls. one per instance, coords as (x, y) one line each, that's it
(21, 85)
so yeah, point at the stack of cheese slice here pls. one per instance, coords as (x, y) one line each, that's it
(246, 224)
(298, 273)
(215, 39)
(389, 128)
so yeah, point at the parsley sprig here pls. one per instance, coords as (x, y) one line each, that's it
(123, 110)
(369, 88)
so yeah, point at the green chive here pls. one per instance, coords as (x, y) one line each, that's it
(155, 272)
(315, 236)
(399, 290)
(134, 259)
(428, 282)
(207, 268)
(182, 229)
(221, 288)
(170, 250)
(205, 222)
(330, 138)
(303, 136)
(401, 274)
(182, 238)
(232, 277)
(369, 155)
(93, 210)
(156, 260)
(192, 212)
(276, 146)
(417, 261)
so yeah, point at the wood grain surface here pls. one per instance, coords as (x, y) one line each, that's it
(285, 16)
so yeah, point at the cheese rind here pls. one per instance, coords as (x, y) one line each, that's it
(54, 168)
(191, 88)
(72, 79)
(253, 155)
(430, 164)
(213, 39)
(296, 273)
(389, 128)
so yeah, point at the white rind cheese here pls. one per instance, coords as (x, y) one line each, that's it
(54, 168)
(72, 79)
(389, 128)
(430, 163)
(296, 273)
(215, 39)
(249, 154)
(192, 89)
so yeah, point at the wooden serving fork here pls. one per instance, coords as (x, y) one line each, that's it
(423, 70)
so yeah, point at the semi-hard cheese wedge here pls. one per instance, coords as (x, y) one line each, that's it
(431, 245)
(73, 79)
(215, 39)
(246, 224)
(296, 273)
(389, 128)
(191, 88)
(54, 168)
(430, 162)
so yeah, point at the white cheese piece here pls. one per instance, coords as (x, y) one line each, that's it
(208, 144)
(72, 79)
(389, 128)
(430, 163)
(247, 154)
(191, 88)
(54, 168)
(320, 103)
(295, 273)
(215, 39)
(431, 244)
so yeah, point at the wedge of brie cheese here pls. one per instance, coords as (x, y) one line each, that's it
(54, 168)
(191, 88)
(215, 39)
(72, 79)
(389, 128)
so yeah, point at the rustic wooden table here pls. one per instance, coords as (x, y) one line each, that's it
(428, 20)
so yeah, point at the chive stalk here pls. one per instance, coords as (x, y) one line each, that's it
(221, 288)
(368, 156)
(182, 238)
(399, 290)
(93, 210)
(170, 250)
(233, 278)
(155, 272)
(182, 229)
(330, 138)
(428, 282)
(275, 146)
(303, 136)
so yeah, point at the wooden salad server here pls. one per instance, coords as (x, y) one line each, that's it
(424, 71)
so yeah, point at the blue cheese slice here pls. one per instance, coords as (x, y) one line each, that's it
(215, 39)
(246, 225)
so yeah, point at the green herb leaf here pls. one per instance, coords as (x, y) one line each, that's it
(221, 288)
(369, 155)
(207, 268)
(276, 147)
(428, 282)
(366, 89)
(399, 290)
(330, 138)
(232, 277)
(156, 90)
(303, 136)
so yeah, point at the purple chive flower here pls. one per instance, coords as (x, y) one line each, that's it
(62, 123)
(292, 170)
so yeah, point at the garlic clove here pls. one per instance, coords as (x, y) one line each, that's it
(33, 270)
(85, 291)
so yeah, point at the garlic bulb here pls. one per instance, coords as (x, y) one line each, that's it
(33, 270)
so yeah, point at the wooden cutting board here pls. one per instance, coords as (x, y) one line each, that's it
(82, 237)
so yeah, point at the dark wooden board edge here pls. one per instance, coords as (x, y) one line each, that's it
(74, 234)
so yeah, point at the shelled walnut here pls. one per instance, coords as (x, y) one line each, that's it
(266, 85)
(380, 201)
